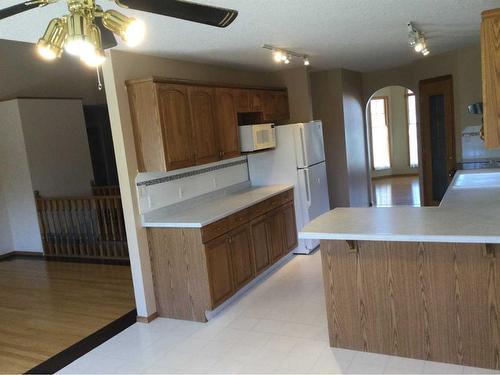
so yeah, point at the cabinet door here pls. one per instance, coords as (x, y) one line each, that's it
(242, 98)
(227, 123)
(256, 101)
(275, 232)
(290, 227)
(260, 244)
(241, 256)
(202, 105)
(490, 61)
(218, 255)
(175, 119)
(269, 105)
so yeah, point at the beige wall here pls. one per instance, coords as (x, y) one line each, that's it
(337, 98)
(122, 66)
(398, 127)
(463, 64)
(298, 82)
(24, 74)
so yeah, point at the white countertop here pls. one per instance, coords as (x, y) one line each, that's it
(211, 208)
(466, 214)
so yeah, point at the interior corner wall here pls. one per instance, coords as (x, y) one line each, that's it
(16, 186)
(120, 67)
(57, 146)
(6, 243)
(327, 99)
(24, 74)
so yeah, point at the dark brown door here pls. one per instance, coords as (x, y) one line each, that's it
(218, 254)
(202, 105)
(260, 244)
(438, 137)
(241, 256)
(227, 122)
(275, 232)
(176, 126)
(290, 227)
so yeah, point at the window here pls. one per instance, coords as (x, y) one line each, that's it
(381, 153)
(411, 107)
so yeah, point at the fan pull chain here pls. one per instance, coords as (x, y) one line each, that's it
(99, 83)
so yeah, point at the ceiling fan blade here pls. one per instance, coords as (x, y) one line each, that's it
(185, 10)
(19, 8)
(107, 37)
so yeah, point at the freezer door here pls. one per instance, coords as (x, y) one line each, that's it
(309, 148)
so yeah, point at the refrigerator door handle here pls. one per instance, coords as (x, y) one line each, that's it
(303, 142)
(308, 187)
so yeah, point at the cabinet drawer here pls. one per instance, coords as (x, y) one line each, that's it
(231, 222)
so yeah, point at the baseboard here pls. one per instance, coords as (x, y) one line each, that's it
(55, 258)
(147, 319)
(396, 175)
(71, 354)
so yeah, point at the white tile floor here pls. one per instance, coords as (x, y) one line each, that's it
(278, 327)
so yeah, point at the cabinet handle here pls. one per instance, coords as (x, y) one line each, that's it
(230, 239)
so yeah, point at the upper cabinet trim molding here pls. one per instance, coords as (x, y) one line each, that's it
(179, 81)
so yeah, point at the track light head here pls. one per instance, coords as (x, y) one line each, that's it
(50, 46)
(306, 61)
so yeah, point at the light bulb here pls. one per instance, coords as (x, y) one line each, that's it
(79, 47)
(46, 53)
(307, 62)
(134, 33)
(277, 55)
(94, 59)
(419, 46)
(287, 61)
(425, 52)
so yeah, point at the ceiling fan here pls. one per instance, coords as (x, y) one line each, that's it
(88, 30)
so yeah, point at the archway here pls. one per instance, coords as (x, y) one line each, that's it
(393, 147)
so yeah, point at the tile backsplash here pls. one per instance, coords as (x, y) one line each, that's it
(159, 189)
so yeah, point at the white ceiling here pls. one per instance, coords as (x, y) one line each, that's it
(362, 35)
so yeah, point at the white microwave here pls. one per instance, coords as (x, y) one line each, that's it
(257, 137)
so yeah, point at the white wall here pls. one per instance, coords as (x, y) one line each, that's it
(57, 146)
(16, 183)
(6, 244)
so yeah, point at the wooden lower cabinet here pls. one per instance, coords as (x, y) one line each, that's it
(260, 243)
(195, 270)
(218, 253)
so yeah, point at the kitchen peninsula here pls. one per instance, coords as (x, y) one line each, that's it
(417, 282)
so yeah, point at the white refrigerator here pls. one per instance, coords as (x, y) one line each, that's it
(299, 160)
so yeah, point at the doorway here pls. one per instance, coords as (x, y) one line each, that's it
(393, 147)
(438, 137)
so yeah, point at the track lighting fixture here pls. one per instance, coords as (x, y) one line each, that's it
(281, 55)
(416, 40)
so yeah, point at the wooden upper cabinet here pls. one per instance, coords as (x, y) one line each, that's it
(175, 118)
(282, 106)
(227, 122)
(242, 100)
(256, 101)
(203, 118)
(490, 61)
(241, 256)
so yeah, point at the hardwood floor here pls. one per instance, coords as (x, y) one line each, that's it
(396, 191)
(47, 306)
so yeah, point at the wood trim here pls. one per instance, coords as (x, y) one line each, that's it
(147, 319)
(179, 81)
(490, 13)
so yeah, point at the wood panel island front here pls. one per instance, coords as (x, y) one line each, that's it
(421, 283)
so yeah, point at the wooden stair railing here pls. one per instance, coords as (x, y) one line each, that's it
(83, 227)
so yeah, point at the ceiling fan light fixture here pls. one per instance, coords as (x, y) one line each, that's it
(50, 46)
(79, 41)
(131, 30)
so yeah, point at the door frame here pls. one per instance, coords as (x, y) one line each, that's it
(426, 145)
